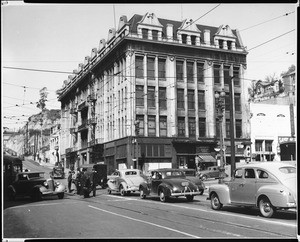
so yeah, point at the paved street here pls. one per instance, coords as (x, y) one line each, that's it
(113, 216)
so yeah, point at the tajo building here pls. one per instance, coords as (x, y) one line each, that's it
(146, 97)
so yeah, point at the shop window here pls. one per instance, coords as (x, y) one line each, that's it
(258, 145)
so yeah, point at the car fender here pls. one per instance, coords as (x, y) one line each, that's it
(277, 198)
(60, 188)
(124, 184)
(145, 187)
(222, 190)
(166, 188)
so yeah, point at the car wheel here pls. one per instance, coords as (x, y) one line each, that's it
(204, 177)
(142, 194)
(122, 191)
(61, 195)
(215, 202)
(265, 207)
(190, 198)
(162, 196)
(11, 195)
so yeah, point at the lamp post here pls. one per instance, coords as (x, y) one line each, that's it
(220, 106)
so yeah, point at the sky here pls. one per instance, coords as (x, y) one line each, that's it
(57, 37)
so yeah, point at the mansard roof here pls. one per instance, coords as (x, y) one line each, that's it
(133, 22)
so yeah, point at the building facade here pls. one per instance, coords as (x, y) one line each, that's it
(146, 97)
(54, 143)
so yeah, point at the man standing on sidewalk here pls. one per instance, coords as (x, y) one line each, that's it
(94, 181)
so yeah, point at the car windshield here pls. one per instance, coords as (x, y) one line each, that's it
(35, 175)
(287, 169)
(174, 174)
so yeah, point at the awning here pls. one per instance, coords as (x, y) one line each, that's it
(207, 158)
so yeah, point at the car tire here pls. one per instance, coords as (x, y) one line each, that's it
(215, 202)
(61, 195)
(162, 197)
(265, 207)
(190, 198)
(142, 194)
(122, 191)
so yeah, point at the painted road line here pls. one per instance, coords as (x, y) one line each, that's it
(142, 221)
(223, 213)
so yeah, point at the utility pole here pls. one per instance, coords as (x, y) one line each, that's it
(137, 132)
(232, 128)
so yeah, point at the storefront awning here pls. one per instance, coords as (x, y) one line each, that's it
(207, 158)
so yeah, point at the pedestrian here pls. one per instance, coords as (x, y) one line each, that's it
(78, 181)
(94, 181)
(70, 181)
(85, 183)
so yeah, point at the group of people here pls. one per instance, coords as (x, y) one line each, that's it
(84, 181)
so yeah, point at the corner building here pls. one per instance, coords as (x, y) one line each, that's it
(146, 96)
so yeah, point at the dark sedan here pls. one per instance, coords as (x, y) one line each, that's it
(168, 182)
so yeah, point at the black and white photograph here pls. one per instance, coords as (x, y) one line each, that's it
(149, 121)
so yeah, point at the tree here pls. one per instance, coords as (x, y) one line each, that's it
(271, 78)
(291, 69)
(43, 99)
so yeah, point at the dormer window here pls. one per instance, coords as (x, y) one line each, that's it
(154, 34)
(193, 40)
(184, 38)
(229, 45)
(221, 44)
(145, 33)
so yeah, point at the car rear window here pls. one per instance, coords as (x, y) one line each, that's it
(287, 169)
(174, 173)
(130, 173)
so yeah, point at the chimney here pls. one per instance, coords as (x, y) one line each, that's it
(170, 32)
(75, 71)
(86, 60)
(207, 37)
(111, 33)
(102, 44)
(65, 83)
(80, 66)
(122, 21)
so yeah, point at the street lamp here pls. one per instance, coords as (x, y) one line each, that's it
(220, 106)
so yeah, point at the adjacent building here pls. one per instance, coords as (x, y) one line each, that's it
(146, 96)
(54, 143)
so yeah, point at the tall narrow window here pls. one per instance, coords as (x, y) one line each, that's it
(162, 98)
(202, 127)
(268, 145)
(151, 97)
(258, 145)
(154, 34)
(201, 100)
(217, 74)
(237, 102)
(181, 127)
(190, 71)
(150, 68)
(192, 127)
(236, 74)
(193, 39)
(179, 70)
(227, 128)
(184, 37)
(139, 67)
(140, 118)
(151, 126)
(180, 98)
(238, 128)
(221, 44)
(161, 69)
(162, 126)
(145, 33)
(200, 71)
(227, 77)
(191, 99)
(139, 93)
(227, 101)
(229, 45)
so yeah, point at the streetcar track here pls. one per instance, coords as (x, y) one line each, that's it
(230, 224)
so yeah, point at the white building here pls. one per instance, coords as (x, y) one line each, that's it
(55, 143)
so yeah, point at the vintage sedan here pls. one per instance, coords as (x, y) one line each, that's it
(168, 182)
(34, 184)
(267, 185)
(125, 181)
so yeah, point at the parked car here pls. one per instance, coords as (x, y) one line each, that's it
(34, 184)
(267, 185)
(57, 172)
(210, 172)
(125, 181)
(168, 182)
(101, 173)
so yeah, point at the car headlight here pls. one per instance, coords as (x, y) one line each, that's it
(57, 183)
(45, 184)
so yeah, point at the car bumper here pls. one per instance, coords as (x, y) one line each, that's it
(178, 194)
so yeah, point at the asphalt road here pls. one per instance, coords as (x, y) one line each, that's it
(114, 216)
